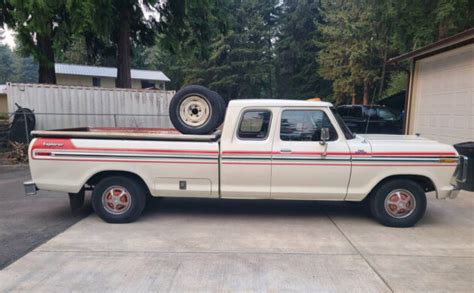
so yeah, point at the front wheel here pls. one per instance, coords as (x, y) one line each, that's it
(398, 203)
(119, 199)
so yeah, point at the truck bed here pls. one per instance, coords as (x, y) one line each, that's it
(158, 134)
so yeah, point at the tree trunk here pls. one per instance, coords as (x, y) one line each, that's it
(124, 78)
(353, 98)
(46, 72)
(365, 99)
(384, 67)
(442, 30)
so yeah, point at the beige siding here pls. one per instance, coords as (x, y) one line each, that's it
(442, 102)
(3, 103)
(107, 82)
(79, 80)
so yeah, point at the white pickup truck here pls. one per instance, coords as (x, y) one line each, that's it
(267, 149)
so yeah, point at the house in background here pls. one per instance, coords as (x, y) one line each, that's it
(84, 75)
(440, 98)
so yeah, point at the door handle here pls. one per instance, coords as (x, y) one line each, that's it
(285, 150)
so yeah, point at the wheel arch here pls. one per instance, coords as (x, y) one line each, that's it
(424, 181)
(94, 179)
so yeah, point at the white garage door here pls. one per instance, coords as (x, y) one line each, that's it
(443, 96)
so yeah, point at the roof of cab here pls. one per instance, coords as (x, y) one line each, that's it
(277, 103)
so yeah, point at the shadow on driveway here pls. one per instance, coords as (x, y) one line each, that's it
(28, 221)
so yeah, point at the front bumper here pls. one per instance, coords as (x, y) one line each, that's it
(30, 188)
(453, 193)
(459, 176)
(461, 170)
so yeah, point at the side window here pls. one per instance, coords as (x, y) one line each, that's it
(350, 112)
(254, 124)
(357, 112)
(305, 125)
(342, 111)
(96, 81)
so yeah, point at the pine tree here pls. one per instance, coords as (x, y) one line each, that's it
(352, 48)
(241, 63)
(236, 55)
(297, 67)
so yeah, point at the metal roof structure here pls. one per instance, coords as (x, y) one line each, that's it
(462, 38)
(97, 71)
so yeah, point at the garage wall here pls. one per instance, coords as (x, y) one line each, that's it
(442, 103)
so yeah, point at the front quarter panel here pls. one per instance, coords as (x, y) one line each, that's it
(432, 160)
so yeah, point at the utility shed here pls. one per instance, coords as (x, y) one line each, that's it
(440, 99)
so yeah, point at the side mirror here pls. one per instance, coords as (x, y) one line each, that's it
(324, 135)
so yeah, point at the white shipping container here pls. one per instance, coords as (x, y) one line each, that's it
(60, 106)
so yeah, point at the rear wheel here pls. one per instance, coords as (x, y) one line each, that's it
(195, 109)
(398, 203)
(119, 199)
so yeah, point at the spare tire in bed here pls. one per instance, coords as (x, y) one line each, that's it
(195, 109)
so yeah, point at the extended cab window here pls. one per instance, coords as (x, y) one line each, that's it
(254, 124)
(305, 125)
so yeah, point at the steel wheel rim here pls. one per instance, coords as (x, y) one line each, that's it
(194, 111)
(116, 200)
(400, 203)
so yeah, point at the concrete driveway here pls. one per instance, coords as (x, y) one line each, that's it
(233, 245)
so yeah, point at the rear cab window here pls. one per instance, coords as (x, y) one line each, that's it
(254, 125)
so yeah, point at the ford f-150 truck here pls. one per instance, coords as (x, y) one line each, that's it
(267, 149)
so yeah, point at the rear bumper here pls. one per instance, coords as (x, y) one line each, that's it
(30, 188)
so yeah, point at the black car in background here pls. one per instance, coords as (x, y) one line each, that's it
(371, 119)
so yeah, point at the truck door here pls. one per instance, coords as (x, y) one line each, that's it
(302, 166)
(246, 155)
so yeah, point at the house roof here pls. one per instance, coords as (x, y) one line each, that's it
(465, 37)
(86, 70)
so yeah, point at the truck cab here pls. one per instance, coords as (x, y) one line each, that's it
(274, 149)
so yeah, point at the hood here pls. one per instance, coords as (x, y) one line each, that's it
(407, 145)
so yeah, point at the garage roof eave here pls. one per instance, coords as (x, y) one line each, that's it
(466, 36)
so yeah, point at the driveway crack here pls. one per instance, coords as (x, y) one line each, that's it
(361, 255)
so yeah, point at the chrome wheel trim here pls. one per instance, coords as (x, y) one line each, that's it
(195, 111)
(116, 200)
(400, 203)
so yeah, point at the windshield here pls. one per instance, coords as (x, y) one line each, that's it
(386, 114)
(375, 113)
(347, 132)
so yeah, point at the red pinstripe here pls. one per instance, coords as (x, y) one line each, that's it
(130, 161)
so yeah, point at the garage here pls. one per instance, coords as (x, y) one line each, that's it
(440, 101)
